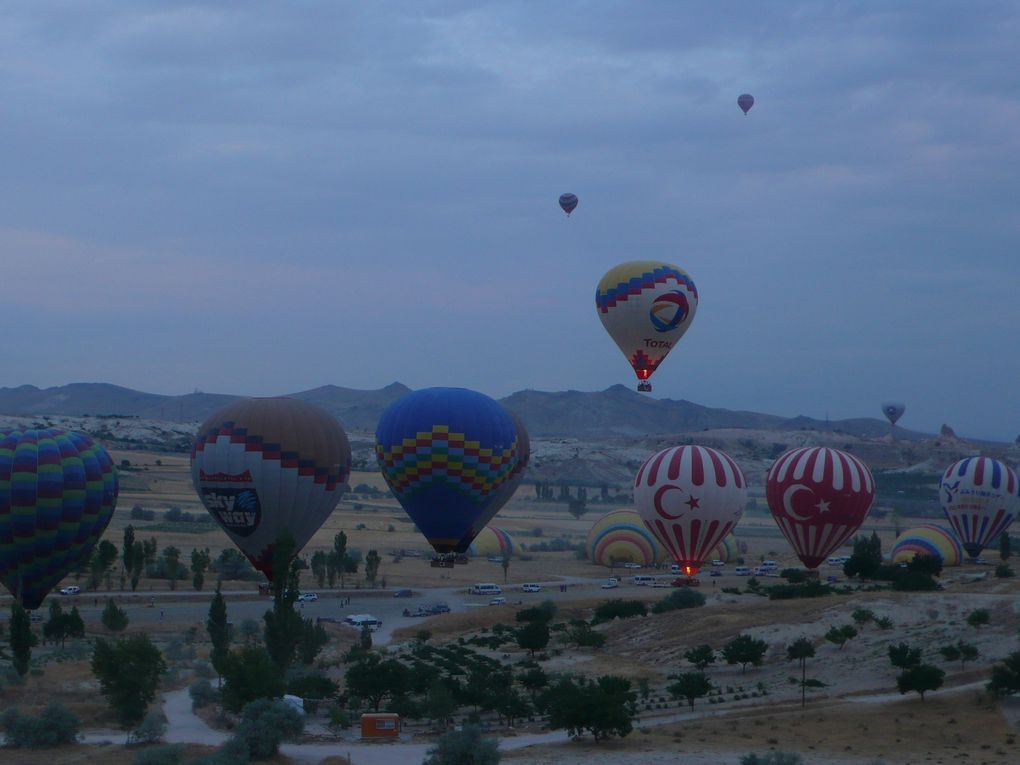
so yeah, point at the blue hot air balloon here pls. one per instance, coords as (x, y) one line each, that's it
(448, 454)
(745, 101)
(568, 202)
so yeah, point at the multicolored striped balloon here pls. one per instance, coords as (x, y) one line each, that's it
(492, 542)
(980, 497)
(447, 453)
(620, 536)
(646, 307)
(819, 497)
(58, 490)
(690, 497)
(928, 539)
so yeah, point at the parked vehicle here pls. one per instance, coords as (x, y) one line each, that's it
(403, 593)
(742, 571)
(70, 590)
(497, 602)
(718, 562)
(632, 565)
(307, 597)
(363, 620)
(486, 588)
(611, 584)
(531, 588)
(643, 580)
(686, 581)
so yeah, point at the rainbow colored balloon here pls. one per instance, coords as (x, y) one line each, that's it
(492, 542)
(58, 490)
(928, 539)
(620, 536)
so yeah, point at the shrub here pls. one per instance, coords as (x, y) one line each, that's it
(679, 599)
(1003, 571)
(265, 723)
(53, 727)
(772, 758)
(622, 609)
(169, 754)
(151, 731)
(202, 694)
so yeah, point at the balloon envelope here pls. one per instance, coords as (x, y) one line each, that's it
(447, 453)
(690, 497)
(620, 536)
(568, 202)
(928, 539)
(262, 465)
(58, 490)
(745, 102)
(646, 307)
(819, 497)
(492, 542)
(980, 497)
(893, 411)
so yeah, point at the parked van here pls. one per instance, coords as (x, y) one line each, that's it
(767, 564)
(486, 588)
(742, 571)
(364, 620)
(644, 580)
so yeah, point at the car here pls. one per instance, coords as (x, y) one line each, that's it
(439, 608)
(531, 588)
(307, 597)
(403, 593)
(497, 602)
(71, 590)
(611, 584)
(632, 565)
(686, 581)
(718, 562)
(36, 617)
(715, 572)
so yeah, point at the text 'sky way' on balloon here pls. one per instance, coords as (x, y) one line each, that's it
(262, 465)
(980, 497)
(449, 455)
(745, 101)
(690, 497)
(568, 202)
(646, 307)
(58, 490)
(893, 410)
(819, 497)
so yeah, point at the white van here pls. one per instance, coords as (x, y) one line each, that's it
(742, 571)
(643, 580)
(767, 564)
(363, 620)
(486, 588)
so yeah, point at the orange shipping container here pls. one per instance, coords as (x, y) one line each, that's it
(380, 725)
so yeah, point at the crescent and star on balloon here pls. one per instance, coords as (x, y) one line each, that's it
(691, 501)
(822, 506)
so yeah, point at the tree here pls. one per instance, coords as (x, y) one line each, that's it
(199, 563)
(137, 563)
(1006, 676)
(464, 747)
(114, 618)
(219, 633)
(265, 724)
(129, 672)
(127, 552)
(534, 679)
(318, 566)
(925, 565)
(22, 639)
(866, 558)
(56, 628)
(54, 727)
(1005, 550)
(690, 686)
(249, 673)
(103, 557)
(604, 707)
(920, 679)
(312, 639)
(283, 624)
(439, 704)
(801, 650)
(533, 636)
(744, 650)
(978, 618)
(505, 563)
(372, 561)
(839, 635)
(959, 651)
(862, 616)
(902, 656)
(340, 555)
(171, 564)
(700, 656)
(372, 679)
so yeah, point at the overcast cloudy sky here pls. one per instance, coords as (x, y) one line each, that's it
(261, 198)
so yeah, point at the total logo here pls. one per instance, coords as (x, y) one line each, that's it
(238, 510)
(669, 310)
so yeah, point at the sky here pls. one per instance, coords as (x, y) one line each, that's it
(262, 198)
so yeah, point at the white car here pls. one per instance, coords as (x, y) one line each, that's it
(531, 588)
(632, 565)
(611, 584)
(71, 590)
(307, 597)
(497, 602)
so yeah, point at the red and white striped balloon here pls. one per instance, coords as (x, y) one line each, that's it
(819, 498)
(690, 497)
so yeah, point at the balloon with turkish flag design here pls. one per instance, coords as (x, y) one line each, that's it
(690, 497)
(819, 497)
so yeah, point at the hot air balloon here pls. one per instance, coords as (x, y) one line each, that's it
(745, 102)
(819, 497)
(58, 490)
(504, 493)
(893, 410)
(646, 307)
(447, 454)
(691, 497)
(568, 202)
(262, 465)
(928, 539)
(492, 542)
(980, 497)
(620, 536)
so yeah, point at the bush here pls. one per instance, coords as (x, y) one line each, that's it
(809, 589)
(169, 754)
(202, 694)
(313, 686)
(1003, 571)
(772, 758)
(151, 731)
(679, 599)
(234, 752)
(55, 726)
(622, 609)
(462, 746)
(265, 724)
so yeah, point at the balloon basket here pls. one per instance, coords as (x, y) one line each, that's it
(644, 387)
(442, 561)
(460, 559)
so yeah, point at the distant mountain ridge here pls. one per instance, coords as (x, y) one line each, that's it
(617, 411)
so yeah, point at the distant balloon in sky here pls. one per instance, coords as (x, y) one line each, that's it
(818, 497)
(262, 465)
(646, 307)
(690, 497)
(980, 496)
(745, 102)
(447, 454)
(568, 202)
(893, 411)
(58, 490)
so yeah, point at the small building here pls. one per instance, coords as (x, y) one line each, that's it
(380, 725)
